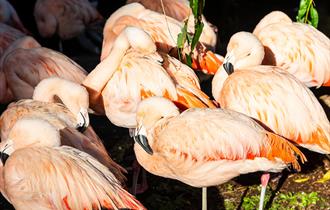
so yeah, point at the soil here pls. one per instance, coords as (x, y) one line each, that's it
(230, 16)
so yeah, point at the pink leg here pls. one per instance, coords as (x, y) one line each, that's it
(264, 182)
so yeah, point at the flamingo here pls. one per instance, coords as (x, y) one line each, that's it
(22, 69)
(8, 35)
(68, 19)
(134, 70)
(8, 15)
(297, 48)
(67, 118)
(177, 9)
(164, 31)
(212, 152)
(270, 94)
(36, 173)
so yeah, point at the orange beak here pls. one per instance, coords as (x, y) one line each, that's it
(208, 62)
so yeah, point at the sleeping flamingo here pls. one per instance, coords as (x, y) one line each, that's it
(269, 94)
(8, 15)
(177, 9)
(297, 48)
(134, 70)
(201, 147)
(37, 173)
(69, 19)
(164, 31)
(67, 118)
(25, 65)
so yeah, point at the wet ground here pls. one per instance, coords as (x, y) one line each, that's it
(289, 190)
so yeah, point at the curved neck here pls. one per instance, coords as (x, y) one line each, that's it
(129, 37)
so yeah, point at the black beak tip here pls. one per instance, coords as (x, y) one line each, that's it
(81, 129)
(229, 68)
(143, 142)
(3, 157)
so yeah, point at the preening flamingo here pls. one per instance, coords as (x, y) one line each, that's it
(270, 94)
(201, 147)
(36, 173)
(9, 16)
(67, 119)
(22, 69)
(134, 70)
(297, 48)
(163, 30)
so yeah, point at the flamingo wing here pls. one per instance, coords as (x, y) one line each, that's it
(56, 114)
(62, 178)
(281, 102)
(177, 9)
(187, 84)
(25, 68)
(298, 48)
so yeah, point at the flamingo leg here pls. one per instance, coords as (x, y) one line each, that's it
(138, 188)
(264, 182)
(204, 198)
(60, 46)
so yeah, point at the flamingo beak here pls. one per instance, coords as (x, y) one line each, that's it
(208, 62)
(8, 148)
(229, 68)
(83, 120)
(3, 157)
(142, 140)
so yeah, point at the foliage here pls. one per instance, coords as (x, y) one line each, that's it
(307, 13)
(287, 200)
(197, 7)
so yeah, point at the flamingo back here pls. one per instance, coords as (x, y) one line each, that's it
(298, 48)
(281, 102)
(62, 178)
(212, 152)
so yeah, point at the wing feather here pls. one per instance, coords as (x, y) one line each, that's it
(64, 178)
(280, 101)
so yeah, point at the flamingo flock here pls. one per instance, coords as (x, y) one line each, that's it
(260, 112)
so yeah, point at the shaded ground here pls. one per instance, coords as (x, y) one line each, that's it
(240, 193)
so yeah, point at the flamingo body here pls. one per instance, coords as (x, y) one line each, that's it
(23, 69)
(66, 18)
(297, 48)
(212, 152)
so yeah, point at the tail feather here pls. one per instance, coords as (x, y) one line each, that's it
(283, 149)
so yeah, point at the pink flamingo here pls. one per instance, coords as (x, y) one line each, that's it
(8, 15)
(36, 173)
(26, 63)
(164, 31)
(297, 48)
(201, 147)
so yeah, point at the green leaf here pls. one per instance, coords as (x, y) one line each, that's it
(198, 32)
(194, 7)
(314, 17)
(182, 36)
(189, 60)
(302, 10)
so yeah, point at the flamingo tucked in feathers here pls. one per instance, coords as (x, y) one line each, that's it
(25, 64)
(298, 48)
(134, 70)
(164, 31)
(61, 177)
